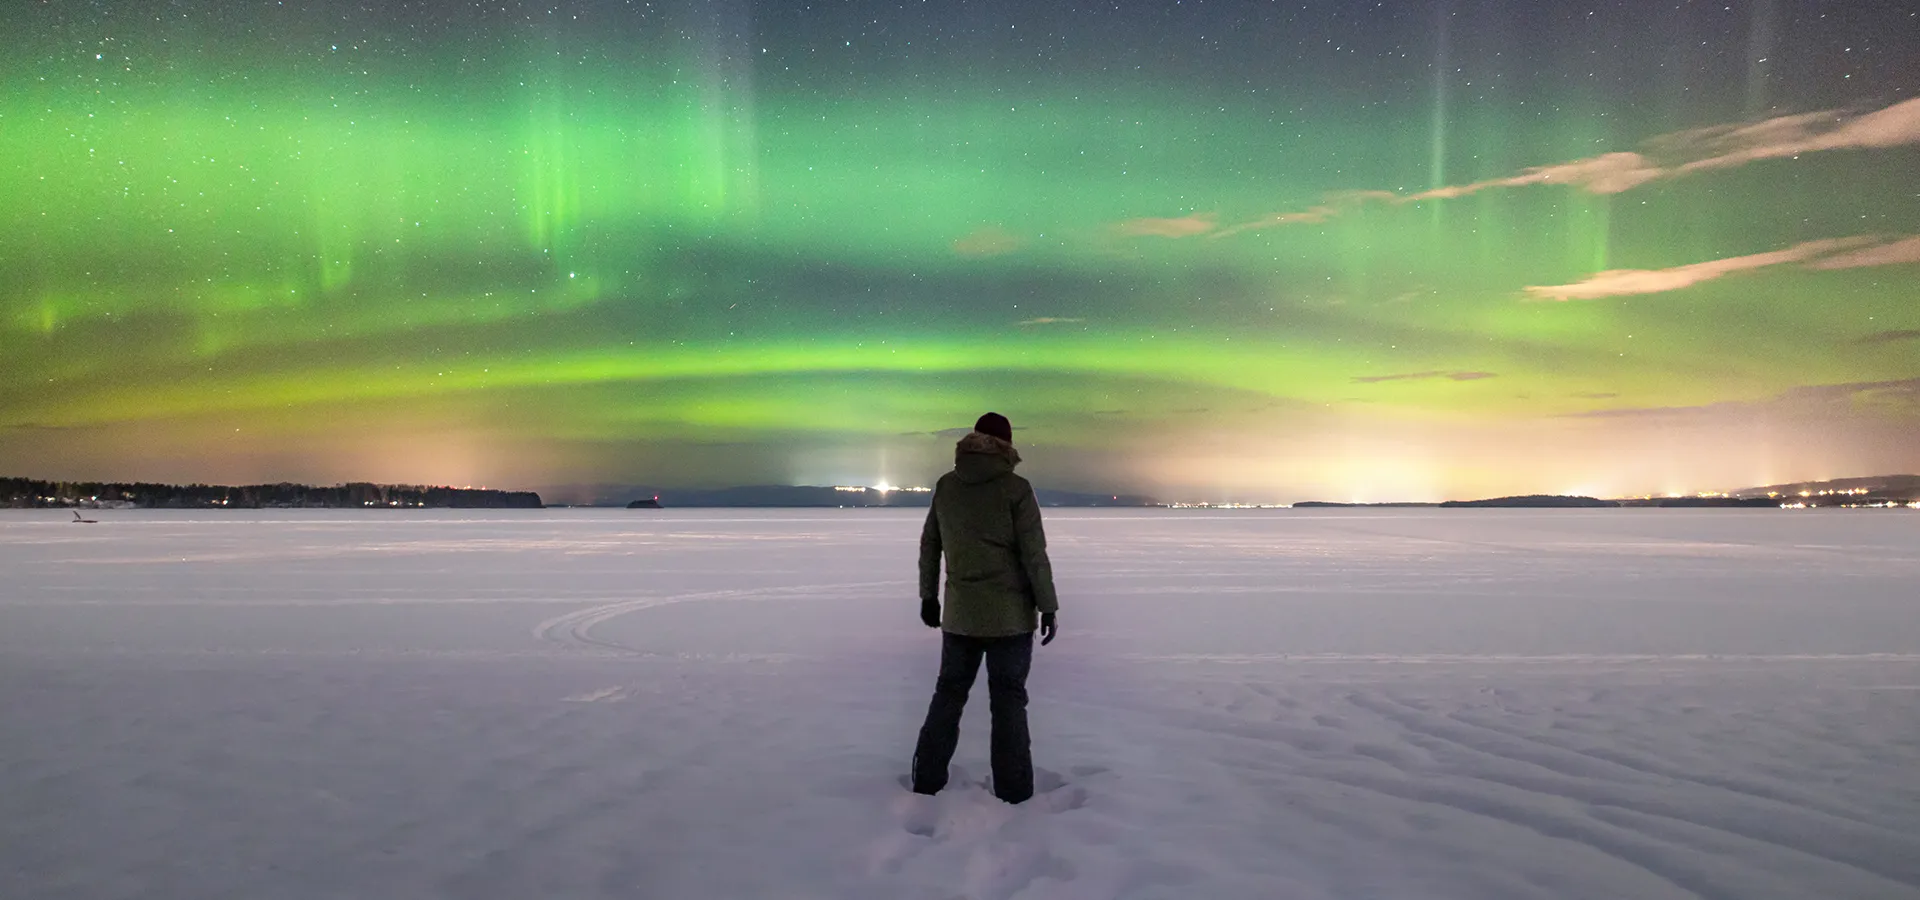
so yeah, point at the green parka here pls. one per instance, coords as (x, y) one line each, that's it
(987, 522)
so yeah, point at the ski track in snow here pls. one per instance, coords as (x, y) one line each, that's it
(575, 629)
(1709, 707)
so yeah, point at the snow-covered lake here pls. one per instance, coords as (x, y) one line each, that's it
(1475, 704)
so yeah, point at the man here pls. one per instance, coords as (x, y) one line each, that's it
(987, 522)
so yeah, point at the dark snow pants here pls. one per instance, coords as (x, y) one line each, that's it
(1008, 659)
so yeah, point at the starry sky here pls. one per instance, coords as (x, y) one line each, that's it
(1205, 249)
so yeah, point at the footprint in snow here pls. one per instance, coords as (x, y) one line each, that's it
(1045, 780)
(964, 818)
(920, 814)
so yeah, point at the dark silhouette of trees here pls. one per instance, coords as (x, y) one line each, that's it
(34, 494)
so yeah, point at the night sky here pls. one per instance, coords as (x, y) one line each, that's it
(1207, 250)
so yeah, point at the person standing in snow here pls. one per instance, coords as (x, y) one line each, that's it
(986, 522)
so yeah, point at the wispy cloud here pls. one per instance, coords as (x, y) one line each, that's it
(1897, 253)
(1610, 173)
(1890, 337)
(1423, 376)
(1719, 147)
(1184, 226)
(1731, 146)
(1903, 388)
(1808, 398)
(1668, 156)
(1627, 282)
(1052, 320)
(1316, 214)
(37, 428)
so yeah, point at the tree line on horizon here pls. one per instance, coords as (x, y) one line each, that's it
(27, 493)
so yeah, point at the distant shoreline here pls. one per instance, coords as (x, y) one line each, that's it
(1891, 491)
(1552, 501)
(26, 493)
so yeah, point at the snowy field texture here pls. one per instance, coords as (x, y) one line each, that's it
(1476, 704)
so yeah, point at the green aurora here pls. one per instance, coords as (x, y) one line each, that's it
(724, 243)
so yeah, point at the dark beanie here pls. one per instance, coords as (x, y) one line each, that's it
(995, 424)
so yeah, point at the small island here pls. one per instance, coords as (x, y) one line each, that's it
(1330, 504)
(1532, 501)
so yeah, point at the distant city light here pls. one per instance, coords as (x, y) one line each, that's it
(881, 488)
(1204, 505)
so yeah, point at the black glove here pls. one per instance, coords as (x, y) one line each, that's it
(1046, 629)
(930, 613)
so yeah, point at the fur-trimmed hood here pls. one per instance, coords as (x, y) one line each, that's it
(981, 457)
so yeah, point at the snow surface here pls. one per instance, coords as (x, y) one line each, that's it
(712, 704)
